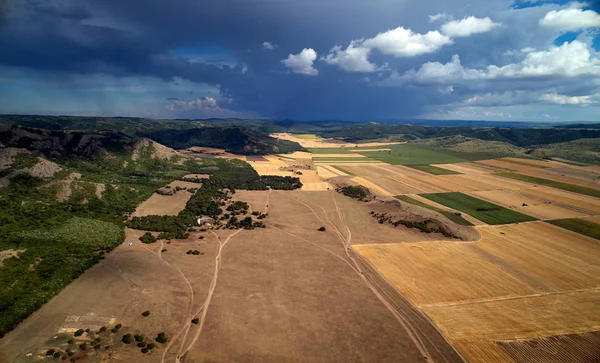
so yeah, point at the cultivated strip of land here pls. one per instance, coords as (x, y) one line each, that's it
(484, 211)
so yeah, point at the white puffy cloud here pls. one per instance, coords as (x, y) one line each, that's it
(440, 16)
(527, 50)
(201, 107)
(354, 58)
(571, 19)
(268, 46)
(302, 63)
(468, 26)
(401, 42)
(435, 72)
(568, 60)
(565, 100)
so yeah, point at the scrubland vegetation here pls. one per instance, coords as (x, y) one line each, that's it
(62, 239)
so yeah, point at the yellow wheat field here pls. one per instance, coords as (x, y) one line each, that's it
(520, 281)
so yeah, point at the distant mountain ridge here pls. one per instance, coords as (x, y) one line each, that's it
(234, 139)
(177, 134)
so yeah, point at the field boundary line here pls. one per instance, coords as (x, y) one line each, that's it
(507, 298)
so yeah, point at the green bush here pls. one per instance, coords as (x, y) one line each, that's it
(127, 339)
(195, 321)
(146, 313)
(148, 238)
(161, 338)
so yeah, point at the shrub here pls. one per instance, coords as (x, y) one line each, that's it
(163, 250)
(141, 344)
(355, 191)
(322, 229)
(151, 346)
(195, 321)
(144, 350)
(102, 330)
(127, 339)
(50, 352)
(83, 346)
(148, 238)
(70, 341)
(56, 355)
(118, 326)
(138, 338)
(79, 333)
(161, 338)
(146, 313)
(97, 346)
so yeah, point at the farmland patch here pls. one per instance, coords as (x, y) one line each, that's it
(484, 211)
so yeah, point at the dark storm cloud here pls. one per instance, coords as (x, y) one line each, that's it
(181, 39)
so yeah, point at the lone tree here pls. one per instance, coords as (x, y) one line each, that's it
(127, 339)
(161, 338)
(322, 229)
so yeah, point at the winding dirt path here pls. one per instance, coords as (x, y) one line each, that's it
(204, 308)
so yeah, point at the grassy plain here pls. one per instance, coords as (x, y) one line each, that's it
(307, 136)
(581, 226)
(484, 211)
(552, 183)
(407, 154)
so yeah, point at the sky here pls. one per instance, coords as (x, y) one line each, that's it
(496, 60)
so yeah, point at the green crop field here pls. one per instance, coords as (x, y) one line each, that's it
(434, 170)
(405, 154)
(451, 216)
(580, 226)
(484, 211)
(518, 162)
(307, 136)
(492, 167)
(334, 159)
(330, 150)
(552, 183)
(343, 170)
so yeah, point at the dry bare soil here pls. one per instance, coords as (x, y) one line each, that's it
(286, 293)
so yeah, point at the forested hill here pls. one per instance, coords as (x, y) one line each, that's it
(234, 139)
(65, 143)
(177, 134)
(516, 136)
